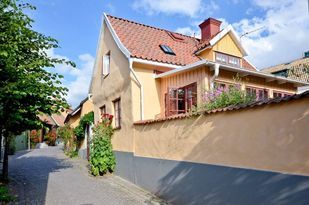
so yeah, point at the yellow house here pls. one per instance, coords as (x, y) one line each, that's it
(145, 73)
(139, 70)
(73, 119)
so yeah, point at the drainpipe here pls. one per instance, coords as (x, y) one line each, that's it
(140, 88)
(216, 67)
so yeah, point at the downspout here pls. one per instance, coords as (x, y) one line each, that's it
(216, 67)
(140, 87)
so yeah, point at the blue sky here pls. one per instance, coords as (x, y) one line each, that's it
(76, 24)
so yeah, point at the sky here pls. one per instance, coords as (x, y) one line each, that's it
(280, 28)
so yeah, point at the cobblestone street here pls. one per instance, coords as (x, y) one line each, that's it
(47, 176)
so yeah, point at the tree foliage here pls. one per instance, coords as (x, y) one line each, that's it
(27, 85)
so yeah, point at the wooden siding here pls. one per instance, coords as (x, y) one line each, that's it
(200, 76)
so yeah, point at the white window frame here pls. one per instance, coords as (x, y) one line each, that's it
(106, 64)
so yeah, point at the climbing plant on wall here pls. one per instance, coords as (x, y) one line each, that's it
(79, 131)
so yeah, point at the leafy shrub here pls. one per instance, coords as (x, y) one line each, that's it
(35, 136)
(221, 97)
(71, 153)
(79, 131)
(50, 138)
(102, 159)
(66, 134)
(5, 197)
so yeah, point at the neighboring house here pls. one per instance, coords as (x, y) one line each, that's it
(73, 118)
(51, 123)
(297, 69)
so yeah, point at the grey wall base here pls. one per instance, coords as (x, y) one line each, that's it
(193, 183)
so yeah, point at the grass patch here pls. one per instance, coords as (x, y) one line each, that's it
(5, 196)
(71, 154)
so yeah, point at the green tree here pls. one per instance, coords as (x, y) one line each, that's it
(27, 85)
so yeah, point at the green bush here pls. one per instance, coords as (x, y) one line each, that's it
(5, 197)
(71, 153)
(79, 131)
(66, 134)
(102, 159)
(221, 97)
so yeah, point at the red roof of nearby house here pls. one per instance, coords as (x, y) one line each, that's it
(144, 42)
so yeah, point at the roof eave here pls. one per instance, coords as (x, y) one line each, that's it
(229, 68)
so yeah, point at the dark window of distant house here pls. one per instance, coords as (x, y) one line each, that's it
(283, 73)
(277, 94)
(227, 59)
(257, 93)
(117, 113)
(180, 100)
(103, 110)
(166, 49)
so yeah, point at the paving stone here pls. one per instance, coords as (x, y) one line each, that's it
(47, 176)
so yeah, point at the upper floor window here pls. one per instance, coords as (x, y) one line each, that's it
(106, 64)
(117, 113)
(227, 59)
(180, 100)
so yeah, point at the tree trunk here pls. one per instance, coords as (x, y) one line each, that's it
(5, 170)
(1, 132)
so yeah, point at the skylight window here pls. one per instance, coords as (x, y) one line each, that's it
(166, 49)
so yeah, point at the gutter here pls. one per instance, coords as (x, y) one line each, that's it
(216, 67)
(140, 88)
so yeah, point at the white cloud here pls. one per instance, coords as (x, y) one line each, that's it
(189, 8)
(77, 79)
(284, 33)
(189, 31)
(78, 88)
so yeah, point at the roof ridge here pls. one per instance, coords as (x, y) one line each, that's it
(141, 24)
(285, 63)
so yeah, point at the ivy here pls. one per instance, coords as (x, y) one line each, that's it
(102, 159)
(79, 131)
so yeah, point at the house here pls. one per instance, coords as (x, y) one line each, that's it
(148, 74)
(141, 71)
(50, 125)
(296, 69)
(73, 119)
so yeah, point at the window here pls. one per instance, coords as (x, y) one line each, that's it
(117, 113)
(106, 64)
(278, 94)
(166, 49)
(180, 100)
(103, 110)
(227, 59)
(283, 73)
(258, 93)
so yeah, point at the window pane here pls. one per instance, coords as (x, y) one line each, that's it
(106, 64)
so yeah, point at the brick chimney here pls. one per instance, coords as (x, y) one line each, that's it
(209, 28)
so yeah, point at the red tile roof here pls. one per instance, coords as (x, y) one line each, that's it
(143, 42)
(247, 65)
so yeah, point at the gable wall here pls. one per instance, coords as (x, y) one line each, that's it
(224, 45)
(116, 84)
